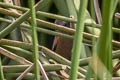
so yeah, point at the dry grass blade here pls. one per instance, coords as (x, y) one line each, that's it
(25, 72)
(18, 21)
(14, 57)
(42, 71)
(116, 68)
(117, 15)
(114, 78)
(21, 68)
(98, 12)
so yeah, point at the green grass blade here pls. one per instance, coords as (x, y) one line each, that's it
(92, 11)
(71, 8)
(35, 40)
(78, 40)
(115, 2)
(1, 71)
(18, 21)
(63, 10)
(105, 52)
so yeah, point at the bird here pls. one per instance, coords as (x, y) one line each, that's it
(63, 46)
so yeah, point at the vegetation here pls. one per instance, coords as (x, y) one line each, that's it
(59, 39)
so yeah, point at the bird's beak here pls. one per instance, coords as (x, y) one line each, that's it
(55, 42)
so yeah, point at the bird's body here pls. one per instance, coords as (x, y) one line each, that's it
(63, 45)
